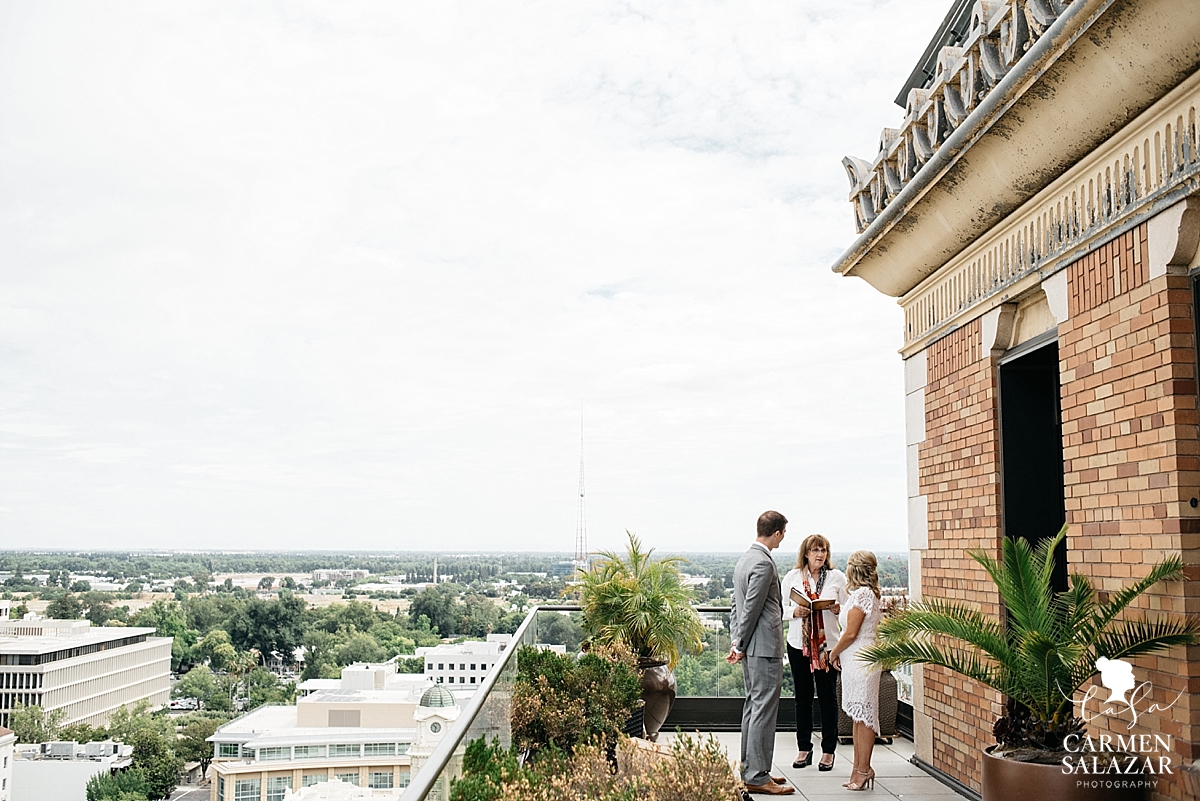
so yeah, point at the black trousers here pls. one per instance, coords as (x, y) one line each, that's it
(826, 681)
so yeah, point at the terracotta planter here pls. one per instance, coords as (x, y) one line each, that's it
(658, 691)
(1007, 780)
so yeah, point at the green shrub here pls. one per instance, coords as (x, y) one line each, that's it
(562, 701)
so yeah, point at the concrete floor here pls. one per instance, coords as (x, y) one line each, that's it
(895, 776)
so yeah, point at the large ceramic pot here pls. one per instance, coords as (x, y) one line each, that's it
(658, 691)
(1008, 780)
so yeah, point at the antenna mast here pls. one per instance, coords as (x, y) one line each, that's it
(581, 550)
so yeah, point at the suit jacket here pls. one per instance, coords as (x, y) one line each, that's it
(756, 619)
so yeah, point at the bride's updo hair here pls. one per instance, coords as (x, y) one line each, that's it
(862, 570)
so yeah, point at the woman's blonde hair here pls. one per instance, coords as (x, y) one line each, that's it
(862, 570)
(806, 546)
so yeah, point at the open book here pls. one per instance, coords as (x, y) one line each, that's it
(800, 599)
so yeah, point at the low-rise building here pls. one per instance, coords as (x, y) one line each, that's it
(339, 574)
(61, 771)
(357, 730)
(85, 671)
(463, 664)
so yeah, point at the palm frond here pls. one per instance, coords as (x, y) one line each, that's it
(1075, 607)
(937, 616)
(1138, 637)
(1168, 569)
(891, 654)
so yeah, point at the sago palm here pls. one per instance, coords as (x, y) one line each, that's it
(641, 601)
(1045, 650)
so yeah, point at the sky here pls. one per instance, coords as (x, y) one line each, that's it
(347, 274)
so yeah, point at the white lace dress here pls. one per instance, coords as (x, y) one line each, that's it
(860, 682)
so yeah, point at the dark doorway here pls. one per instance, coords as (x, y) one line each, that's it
(1031, 450)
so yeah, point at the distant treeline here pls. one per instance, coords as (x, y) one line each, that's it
(418, 566)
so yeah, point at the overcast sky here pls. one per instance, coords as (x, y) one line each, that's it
(342, 274)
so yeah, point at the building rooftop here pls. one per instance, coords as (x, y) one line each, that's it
(35, 637)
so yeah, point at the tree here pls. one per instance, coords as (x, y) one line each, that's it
(318, 653)
(439, 606)
(157, 760)
(200, 683)
(65, 607)
(96, 607)
(216, 648)
(125, 785)
(168, 620)
(266, 583)
(81, 586)
(269, 626)
(359, 647)
(193, 745)
(32, 724)
(288, 583)
(83, 733)
(126, 721)
(264, 687)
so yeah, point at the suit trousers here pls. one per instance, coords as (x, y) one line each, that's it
(763, 676)
(804, 677)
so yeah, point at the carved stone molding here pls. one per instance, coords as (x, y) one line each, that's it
(1000, 34)
(1152, 159)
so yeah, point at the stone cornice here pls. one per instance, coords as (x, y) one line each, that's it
(1037, 86)
(1148, 166)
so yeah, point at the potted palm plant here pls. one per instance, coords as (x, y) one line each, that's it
(1039, 657)
(642, 602)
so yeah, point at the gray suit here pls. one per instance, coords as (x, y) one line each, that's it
(756, 629)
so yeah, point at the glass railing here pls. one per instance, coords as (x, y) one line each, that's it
(710, 695)
(486, 713)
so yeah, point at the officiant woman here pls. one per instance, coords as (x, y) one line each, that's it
(810, 637)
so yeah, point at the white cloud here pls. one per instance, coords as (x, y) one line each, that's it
(340, 274)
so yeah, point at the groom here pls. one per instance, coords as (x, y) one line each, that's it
(756, 638)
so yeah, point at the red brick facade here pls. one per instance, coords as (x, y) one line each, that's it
(1131, 469)
(1132, 457)
(959, 468)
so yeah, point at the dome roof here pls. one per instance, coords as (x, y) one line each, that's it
(438, 696)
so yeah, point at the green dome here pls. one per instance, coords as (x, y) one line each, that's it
(438, 696)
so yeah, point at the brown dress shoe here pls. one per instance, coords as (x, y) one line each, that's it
(770, 789)
(779, 780)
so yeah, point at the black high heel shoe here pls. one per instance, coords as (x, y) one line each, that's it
(822, 766)
(803, 763)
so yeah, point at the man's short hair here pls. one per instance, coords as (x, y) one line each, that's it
(769, 523)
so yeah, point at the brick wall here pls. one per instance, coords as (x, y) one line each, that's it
(1132, 457)
(959, 468)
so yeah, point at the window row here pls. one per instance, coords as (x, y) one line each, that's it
(461, 666)
(332, 751)
(277, 786)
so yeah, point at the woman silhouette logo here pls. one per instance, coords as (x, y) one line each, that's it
(1117, 677)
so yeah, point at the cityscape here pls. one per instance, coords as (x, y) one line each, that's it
(533, 402)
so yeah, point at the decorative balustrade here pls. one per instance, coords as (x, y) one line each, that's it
(1156, 154)
(1001, 31)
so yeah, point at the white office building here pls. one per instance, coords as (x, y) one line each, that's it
(463, 665)
(61, 771)
(83, 670)
(7, 740)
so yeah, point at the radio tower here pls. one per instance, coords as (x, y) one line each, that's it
(581, 551)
